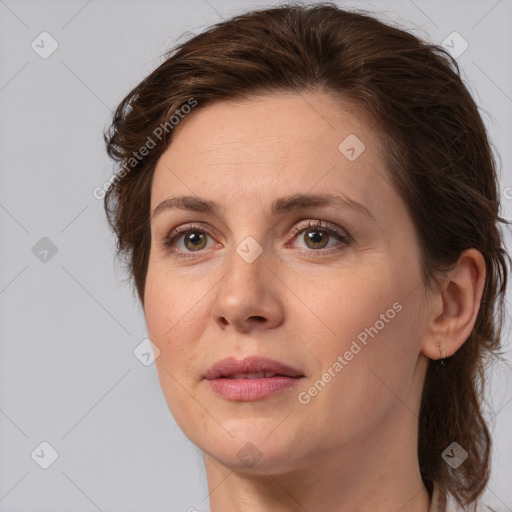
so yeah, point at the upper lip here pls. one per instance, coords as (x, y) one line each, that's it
(253, 364)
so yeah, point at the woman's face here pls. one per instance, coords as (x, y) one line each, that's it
(341, 303)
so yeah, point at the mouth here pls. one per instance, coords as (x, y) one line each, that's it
(254, 375)
(253, 367)
(252, 378)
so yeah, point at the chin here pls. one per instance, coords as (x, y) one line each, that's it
(256, 450)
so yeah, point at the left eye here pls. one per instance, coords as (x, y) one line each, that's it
(317, 236)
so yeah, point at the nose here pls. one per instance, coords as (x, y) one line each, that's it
(247, 297)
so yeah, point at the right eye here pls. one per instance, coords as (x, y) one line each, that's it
(187, 239)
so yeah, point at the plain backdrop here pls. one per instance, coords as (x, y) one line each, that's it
(69, 327)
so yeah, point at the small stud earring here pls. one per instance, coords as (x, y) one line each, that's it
(443, 359)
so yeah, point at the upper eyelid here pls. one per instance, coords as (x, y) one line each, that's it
(297, 226)
(183, 229)
(320, 224)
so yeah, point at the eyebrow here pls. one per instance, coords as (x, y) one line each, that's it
(279, 206)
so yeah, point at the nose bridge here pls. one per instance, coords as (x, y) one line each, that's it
(245, 297)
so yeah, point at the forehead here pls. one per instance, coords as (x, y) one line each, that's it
(266, 146)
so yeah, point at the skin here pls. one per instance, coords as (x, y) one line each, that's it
(352, 447)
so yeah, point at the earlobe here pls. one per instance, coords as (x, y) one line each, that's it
(455, 306)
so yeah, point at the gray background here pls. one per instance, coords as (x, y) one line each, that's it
(69, 326)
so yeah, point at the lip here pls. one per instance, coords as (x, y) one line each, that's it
(219, 378)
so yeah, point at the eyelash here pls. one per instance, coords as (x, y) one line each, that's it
(168, 241)
(332, 230)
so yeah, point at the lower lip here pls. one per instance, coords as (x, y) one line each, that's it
(245, 390)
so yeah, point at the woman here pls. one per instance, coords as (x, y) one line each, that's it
(307, 200)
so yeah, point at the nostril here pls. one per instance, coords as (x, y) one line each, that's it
(251, 319)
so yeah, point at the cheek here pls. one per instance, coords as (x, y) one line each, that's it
(173, 314)
(172, 319)
(171, 306)
(349, 305)
(375, 326)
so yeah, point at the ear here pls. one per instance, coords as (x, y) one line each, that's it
(454, 307)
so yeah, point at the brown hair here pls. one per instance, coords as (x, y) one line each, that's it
(436, 149)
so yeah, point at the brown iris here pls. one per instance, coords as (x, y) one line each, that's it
(316, 237)
(195, 241)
